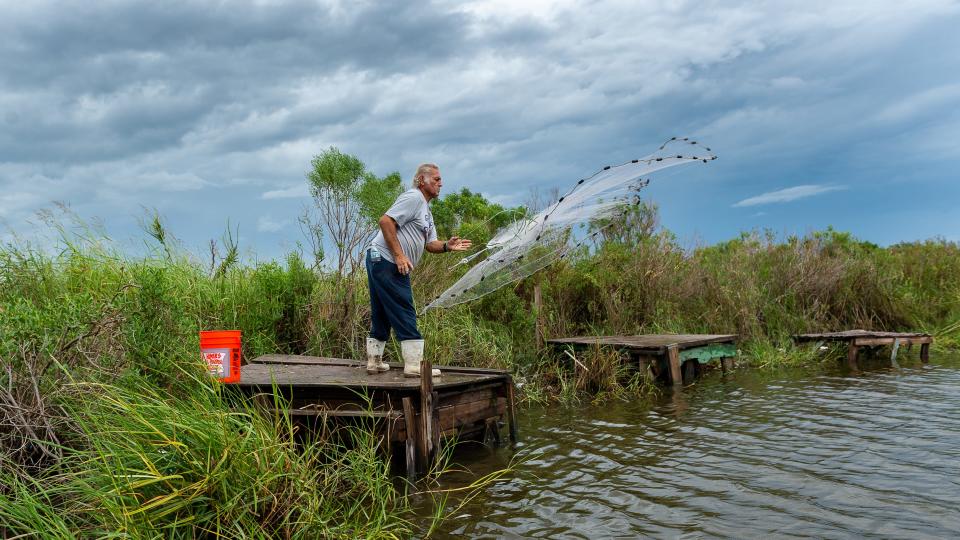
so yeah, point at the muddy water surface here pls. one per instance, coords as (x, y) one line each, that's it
(755, 454)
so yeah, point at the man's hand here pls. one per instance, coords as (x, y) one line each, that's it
(403, 264)
(455, 243)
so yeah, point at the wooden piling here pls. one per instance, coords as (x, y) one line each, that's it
(727, 364)
(673, 357)
(925, 353)
(689, 371)
(852, 357)
(410, 444)
(893, 352)
(435, 428)
(426, 414)
(643, 364)
(511, 413)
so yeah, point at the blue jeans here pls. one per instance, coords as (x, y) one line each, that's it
(391, 301)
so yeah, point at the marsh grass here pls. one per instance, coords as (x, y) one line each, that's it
(149, 463)
(108, 427)
(768, 354)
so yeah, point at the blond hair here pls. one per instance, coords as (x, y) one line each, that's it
(421, 170)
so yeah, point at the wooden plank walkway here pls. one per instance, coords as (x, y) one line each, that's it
(679, 353)
(311, 371)
(413, 413)
(855, 339)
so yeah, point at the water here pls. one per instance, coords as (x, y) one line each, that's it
(754, 454)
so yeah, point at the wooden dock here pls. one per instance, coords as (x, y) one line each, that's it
(413, 414)
(678, 355)
(855, 339)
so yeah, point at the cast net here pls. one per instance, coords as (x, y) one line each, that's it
(532, 243)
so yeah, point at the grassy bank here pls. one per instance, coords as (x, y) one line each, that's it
(109, 427)
(109, 424)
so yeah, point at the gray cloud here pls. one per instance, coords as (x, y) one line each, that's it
(113, 105)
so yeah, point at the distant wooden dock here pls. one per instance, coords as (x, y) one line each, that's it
(678, 355)
(414, 414)
(855, 339)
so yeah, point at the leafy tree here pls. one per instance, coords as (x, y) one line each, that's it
(629, 225)
(471, 215)
(349, 199)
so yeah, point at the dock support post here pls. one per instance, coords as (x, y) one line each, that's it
(852, 357)
(673, 356)
(643, 364)
(426, 414)
(893, 352)
(726, 364)
(409, 420)
(690, 370)
(435, 429)
(511, 414)
(925, 352)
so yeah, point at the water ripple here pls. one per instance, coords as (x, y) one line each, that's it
(752, 455)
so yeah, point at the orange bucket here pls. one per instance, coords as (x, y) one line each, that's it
(221, 353)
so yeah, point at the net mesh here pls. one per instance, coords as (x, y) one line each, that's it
(530, 244)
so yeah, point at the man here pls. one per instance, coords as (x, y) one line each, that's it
(405, 231)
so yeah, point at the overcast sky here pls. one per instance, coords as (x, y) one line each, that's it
(821, 112)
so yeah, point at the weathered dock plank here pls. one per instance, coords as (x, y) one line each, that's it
(847, 335)
(350, 376)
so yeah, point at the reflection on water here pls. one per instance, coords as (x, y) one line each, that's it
(753, 454)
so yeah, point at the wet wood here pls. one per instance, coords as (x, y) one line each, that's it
(436, 430)
(874, 342)
(492, 431)
(465, 413)
(925, 353)
(848, 335)
(472, 394)
(689, 371)
(426, 412)
(673, 358)
(409, 446)
(511, 413)
(643, 363)
(852, 357)
(727, 364)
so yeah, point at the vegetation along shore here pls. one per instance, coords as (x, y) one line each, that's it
(109, 423)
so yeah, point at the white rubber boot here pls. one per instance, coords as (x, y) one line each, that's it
(412, 350)
(375, 363)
